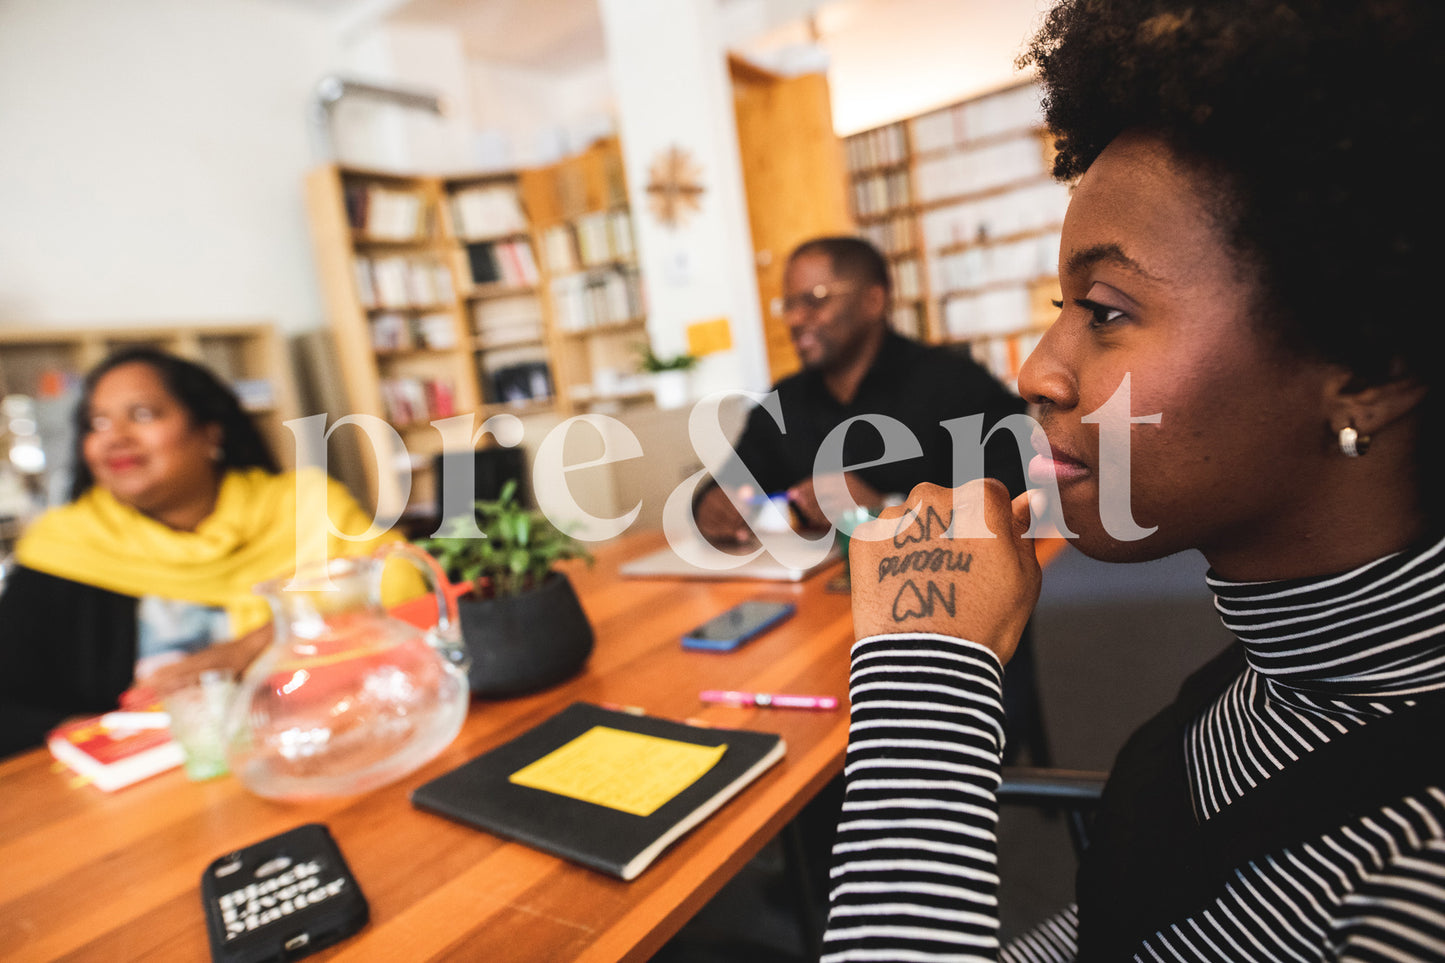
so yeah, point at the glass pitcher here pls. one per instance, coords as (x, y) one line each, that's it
(346, 698)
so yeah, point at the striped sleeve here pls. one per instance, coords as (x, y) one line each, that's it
(914, 873)
(1397, 912)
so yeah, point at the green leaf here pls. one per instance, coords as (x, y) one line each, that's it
(518, 548)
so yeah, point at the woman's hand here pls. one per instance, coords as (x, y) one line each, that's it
(232, 657)
(908, 575)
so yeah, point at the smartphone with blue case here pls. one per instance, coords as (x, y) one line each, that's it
(744, 621)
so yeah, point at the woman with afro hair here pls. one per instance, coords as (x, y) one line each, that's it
(1247, 269)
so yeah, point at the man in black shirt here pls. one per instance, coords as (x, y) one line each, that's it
(836, 297)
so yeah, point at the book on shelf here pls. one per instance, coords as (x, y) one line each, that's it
(441, 400)
(509, 336)
(1003, 308)
(1030, 208)
(409, 401)
(605, 789)
(989, 166)
(526, 382)
(597, 298)
(487, 211)
(877, 193)
(907, 279)
(112, 758)
(391, 331)
(877, 147)
(385, 213)
(619, 228)
(499, 321)
(502, 262)
(388, 277)
(520, 263)
(893, 236)
(402, 281)
(603, 237)
(436, 331)
(935, 131)
(907, 320)
(559, 249)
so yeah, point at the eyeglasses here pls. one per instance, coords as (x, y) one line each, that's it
(809, 301)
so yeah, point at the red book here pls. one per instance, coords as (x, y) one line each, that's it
(112, 758)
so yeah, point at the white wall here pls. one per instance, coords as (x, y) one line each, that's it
(372, 133)
(151, 161)
(890, 59)
(669, 72)
(530, 118)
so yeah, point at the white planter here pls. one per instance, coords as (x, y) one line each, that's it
(670, 388)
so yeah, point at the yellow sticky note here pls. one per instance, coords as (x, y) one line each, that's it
(619, 769)
(707, 337)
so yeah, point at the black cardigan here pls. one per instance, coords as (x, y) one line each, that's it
(1121, 902)
(66, 649)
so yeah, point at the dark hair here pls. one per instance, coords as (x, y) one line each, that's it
(206, 399)
(1308, 118)
(850, 257)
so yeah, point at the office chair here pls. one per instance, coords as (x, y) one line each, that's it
(491, 469)
(1074, 791)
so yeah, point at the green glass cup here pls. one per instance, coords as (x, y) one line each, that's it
(198, 717)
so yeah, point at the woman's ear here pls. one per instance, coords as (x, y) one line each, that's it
(216, 438)
(1369, 408)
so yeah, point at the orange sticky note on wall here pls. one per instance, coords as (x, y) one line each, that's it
(706, 337)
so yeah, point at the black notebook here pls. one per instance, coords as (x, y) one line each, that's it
(588, 751)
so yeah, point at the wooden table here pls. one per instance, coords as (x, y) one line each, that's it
(87, 875)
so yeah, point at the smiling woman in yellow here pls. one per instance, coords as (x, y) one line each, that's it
(146, 577)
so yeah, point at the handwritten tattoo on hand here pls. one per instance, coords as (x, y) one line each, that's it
(915, 528)
(913, 603)
(926, 560)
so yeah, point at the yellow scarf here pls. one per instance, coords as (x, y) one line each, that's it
(249, 537)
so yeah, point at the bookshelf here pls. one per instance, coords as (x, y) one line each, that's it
(495, 257)
(388, 270)
(47, 366)
(961, 201)
(491, 292)
(594, 291)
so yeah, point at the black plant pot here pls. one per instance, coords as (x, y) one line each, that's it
(525, 642)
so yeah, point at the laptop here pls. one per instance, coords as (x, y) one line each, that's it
(665, 563)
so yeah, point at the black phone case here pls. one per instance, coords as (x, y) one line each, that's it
(281, 898)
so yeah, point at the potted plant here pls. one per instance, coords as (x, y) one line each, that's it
(520, 618)
(669, 375)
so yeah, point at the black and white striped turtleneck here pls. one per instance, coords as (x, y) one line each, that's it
(914, 874)
(1325, 655)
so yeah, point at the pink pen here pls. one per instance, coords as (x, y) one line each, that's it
(765, 699)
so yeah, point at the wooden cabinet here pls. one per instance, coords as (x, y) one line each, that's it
(792, 166)
(962, 202)
(499, 292)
